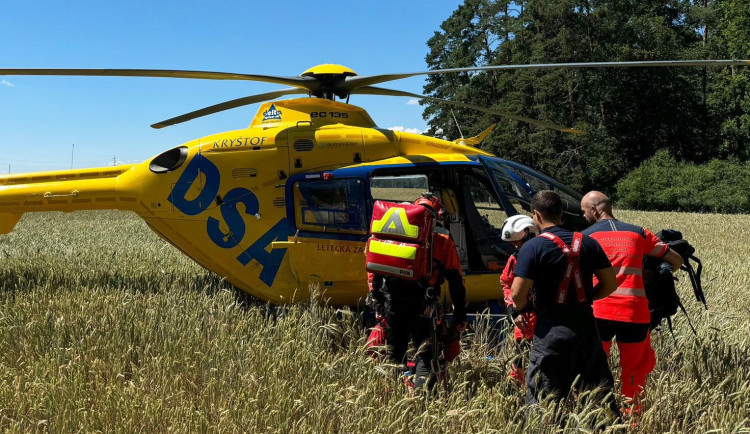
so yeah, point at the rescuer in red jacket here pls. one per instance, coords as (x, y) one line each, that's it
(404, 304)
(517, 230)
(624, 315)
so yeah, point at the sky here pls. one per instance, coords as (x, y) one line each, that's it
(107, 119)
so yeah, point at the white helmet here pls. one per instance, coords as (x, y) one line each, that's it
(518, 227)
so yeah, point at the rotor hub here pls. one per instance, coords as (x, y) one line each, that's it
(328, 69)
(330, 76)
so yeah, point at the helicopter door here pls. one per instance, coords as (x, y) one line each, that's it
(475, 215)
(484, 211)
(409, 186)
(330, 216)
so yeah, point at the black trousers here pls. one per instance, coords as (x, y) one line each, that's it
(625, 332)
(560, 354)
(406, 320)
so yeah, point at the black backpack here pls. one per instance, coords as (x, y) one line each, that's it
(663, 300)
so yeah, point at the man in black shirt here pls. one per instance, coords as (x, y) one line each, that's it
(560, 265)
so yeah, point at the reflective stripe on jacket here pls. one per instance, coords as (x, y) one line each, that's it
(626, 245)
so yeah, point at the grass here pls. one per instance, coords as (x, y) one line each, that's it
(106, 329)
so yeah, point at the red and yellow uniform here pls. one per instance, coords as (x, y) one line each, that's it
(445, 265)
(403, 309)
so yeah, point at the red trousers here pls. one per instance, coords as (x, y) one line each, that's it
(637, 358)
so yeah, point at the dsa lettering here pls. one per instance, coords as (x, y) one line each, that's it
(232, 216)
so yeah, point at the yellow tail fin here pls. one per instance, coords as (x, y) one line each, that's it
(476, 140)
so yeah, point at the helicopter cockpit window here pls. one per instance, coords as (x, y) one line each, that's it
(571, 205)
(406, 188)
(516, 190)
(530, 181)
(330, 205)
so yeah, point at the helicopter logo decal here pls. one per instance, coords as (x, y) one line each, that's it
(272, 114)
(270, 262)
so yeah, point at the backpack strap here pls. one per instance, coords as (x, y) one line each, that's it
(572, 267)
(695, 278)
(679, 303)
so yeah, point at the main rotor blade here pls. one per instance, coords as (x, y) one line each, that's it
(355, 82)
(370, 90)
(239, 102)
(308, 83)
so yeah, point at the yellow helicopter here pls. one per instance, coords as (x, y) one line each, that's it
(285, 202)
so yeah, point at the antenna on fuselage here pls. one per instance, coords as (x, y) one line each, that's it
(457, 126)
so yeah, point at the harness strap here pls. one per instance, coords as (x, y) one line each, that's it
(572, 267)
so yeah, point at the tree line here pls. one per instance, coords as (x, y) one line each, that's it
(695, 114)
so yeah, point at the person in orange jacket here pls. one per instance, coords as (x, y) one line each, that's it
(624, 315)
(517, 230)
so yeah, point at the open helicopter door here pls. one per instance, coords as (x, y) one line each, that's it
(474, 215)
(329, 216)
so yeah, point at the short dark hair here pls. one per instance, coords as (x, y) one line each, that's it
(548, 204)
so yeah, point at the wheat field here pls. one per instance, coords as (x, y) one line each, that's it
(105, 327)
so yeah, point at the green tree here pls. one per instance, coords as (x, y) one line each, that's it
(728, 97)
(628, 113)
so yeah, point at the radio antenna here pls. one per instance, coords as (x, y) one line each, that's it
(457, 126)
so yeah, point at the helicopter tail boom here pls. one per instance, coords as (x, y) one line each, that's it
(68, 190)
